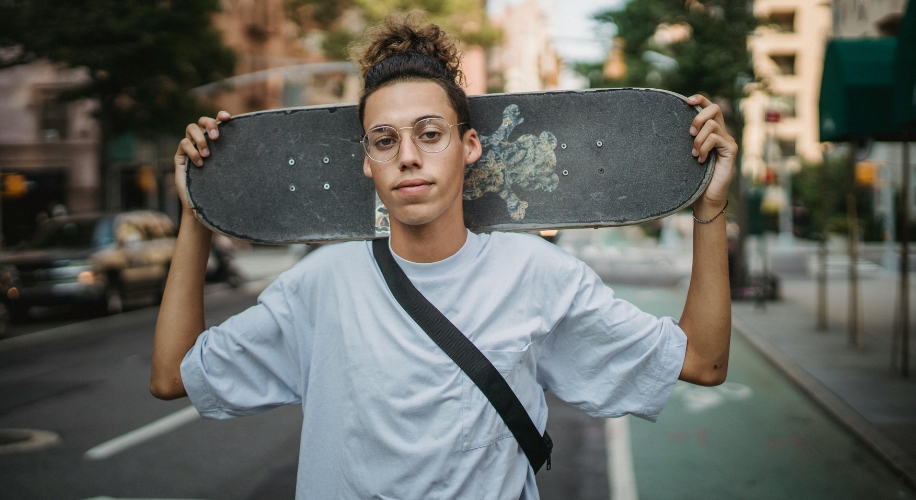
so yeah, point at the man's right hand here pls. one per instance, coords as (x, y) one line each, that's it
(194, 147)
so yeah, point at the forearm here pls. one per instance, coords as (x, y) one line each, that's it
(707, 314)
(181, 315)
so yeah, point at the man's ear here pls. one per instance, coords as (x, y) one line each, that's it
(367, 171)
(472, 147)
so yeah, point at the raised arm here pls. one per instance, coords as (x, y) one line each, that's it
(181, 315)
(707, 314)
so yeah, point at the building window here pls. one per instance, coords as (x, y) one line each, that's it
(787, 147)
(784, 104)
(53, 118)
(784, 22)
(785, 63)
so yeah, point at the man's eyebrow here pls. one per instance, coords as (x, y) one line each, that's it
(424, 117)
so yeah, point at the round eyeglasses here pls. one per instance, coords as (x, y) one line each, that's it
(431, 135)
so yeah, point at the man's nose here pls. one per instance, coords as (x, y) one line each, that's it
(408, 152)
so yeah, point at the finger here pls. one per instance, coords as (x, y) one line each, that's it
(699, 100)
(708, 145)
(710, 113)
(210, 126)
(710, 127)
(186, 148)
(195, 133)
(725, 147)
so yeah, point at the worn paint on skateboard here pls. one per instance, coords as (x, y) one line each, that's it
(553, 160)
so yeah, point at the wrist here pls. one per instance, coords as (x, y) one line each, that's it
(708, 212)
(705, 208)
(190, 223)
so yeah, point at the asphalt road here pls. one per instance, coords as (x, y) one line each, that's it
(755, 437)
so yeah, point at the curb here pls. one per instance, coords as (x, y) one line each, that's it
(896, 458)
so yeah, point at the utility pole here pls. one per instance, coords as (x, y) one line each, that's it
(822, 245)
(905, 262)
(852, 223)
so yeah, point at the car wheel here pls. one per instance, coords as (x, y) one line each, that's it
(17, 314)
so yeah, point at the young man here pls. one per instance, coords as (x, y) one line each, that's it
(386, 413)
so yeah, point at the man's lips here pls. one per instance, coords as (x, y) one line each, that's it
(412, 183)
(413, 186)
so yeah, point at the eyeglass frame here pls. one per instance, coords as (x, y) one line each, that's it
(412, 138)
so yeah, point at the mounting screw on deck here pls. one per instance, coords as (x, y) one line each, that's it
(599, 143)
(292, 187)
(327, 186)
(563, 146)
(292, 161)
(566, 172)
(326, 160)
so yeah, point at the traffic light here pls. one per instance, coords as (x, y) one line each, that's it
(866, 172)
(14, 186)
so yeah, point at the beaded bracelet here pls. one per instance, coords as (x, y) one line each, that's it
(714, 218)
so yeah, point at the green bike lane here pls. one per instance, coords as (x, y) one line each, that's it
(755, 437)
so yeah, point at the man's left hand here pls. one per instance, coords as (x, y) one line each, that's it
(708, 129)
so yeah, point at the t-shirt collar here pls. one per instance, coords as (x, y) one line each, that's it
(459, 260)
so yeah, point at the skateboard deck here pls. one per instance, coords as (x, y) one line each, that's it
(551, 160)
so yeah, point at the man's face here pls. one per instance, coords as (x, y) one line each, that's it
(418, 187)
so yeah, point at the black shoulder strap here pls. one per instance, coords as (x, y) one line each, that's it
(466, 355)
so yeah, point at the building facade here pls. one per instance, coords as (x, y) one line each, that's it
(788, 59)
(52, 145)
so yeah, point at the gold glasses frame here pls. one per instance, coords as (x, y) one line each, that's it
(413, 137)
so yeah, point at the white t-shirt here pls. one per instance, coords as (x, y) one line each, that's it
(387, 414)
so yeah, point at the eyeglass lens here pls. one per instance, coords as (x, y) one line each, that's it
(431, 135)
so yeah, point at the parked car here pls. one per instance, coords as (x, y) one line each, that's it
(98, 260)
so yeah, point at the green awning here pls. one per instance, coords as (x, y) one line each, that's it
(857, 90)
(905, 68)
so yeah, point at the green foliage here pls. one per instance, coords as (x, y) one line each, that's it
(713, 59)
(335, 44)
(465, 19)
(143, 56)
(323, 12)
(811, 184)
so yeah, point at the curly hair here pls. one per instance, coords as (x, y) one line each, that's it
(405, 47)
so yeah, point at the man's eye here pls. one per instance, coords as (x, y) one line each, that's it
(430, 135)
(384, 142)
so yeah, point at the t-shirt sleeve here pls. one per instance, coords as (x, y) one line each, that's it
(608, 357)
(248, 364)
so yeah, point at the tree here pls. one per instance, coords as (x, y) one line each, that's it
(687, 47)
(143, 57)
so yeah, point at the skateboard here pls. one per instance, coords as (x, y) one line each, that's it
(551, 160)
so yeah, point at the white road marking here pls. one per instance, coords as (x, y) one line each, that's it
(697, 399)
(159, 427)
(113, 498)
(620, 472)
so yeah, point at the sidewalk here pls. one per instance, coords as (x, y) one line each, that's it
(856, 386)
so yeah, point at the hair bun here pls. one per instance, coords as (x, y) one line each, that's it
(401, 34)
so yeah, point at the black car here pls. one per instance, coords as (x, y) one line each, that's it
(97, 260)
